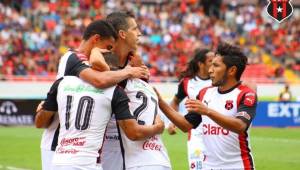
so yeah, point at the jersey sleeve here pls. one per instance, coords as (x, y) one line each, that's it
(74, 66)
(120, 105)
(247, 107)
(194, 119)
(181, 94)
(51, 102)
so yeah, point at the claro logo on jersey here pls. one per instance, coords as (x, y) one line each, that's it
(8, 108)
(209, 129)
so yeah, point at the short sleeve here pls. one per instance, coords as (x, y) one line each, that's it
(180, 91)
(120, 106)
(74, 66)
(247, 108)
(51, 102)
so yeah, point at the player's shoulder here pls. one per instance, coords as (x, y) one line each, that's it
(246, 88)
(203, 91)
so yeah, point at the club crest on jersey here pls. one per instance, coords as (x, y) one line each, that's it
(279, 10)
(229, 104)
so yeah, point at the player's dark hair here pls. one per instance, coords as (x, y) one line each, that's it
(233, 56)
(192, 68)
(119, 20)
(101, 27)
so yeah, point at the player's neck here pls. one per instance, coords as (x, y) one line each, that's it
(122, 52)
(229, 84)
(203, 75)
(85, 48)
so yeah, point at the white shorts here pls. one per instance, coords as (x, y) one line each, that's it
(150, 167)
(112, 160)
(47, 159)
(76, 167)
(195, 150)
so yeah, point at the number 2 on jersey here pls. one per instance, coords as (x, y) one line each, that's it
(138, 111)
(86, 106)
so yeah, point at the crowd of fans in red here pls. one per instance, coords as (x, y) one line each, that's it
(34, 34)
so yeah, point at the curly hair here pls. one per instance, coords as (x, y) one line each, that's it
(233, 56)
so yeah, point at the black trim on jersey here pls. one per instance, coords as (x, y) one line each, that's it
(119, 104)
(51, 102)
(251, 111)
(74, 66)
(194, 119)
(180, 91)
(123, 83)
(55, 139)
(249, 151)
(121, 146)
(229, 90)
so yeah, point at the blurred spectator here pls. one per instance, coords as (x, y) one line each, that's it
(285, 95)
(34, 34)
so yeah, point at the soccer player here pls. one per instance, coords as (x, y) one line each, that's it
(226, 111)
(98, 34)
(84, 112)
(148, 154)
(126, 44)
(195, 78)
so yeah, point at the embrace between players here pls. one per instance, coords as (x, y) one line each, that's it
(101, 113)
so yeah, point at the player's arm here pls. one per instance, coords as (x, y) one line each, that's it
(47, 109)
(237, 124)
(128, 123)
(179, 96)
(184, 123)
(134, 131)
(76, 67)
(43, 118)
(97, 60)
(110, 78)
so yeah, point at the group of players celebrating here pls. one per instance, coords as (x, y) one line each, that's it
(101, 113)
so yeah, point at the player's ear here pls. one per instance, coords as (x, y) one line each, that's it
(232, 70)
(122, 34)
(96, 38)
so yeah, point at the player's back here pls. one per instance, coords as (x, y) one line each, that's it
(84, 112)
(144, 106)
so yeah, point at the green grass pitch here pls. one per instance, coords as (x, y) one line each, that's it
(273, 148)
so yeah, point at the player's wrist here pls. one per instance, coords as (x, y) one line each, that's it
(208, 112)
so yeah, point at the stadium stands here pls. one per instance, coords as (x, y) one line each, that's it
(34, 34)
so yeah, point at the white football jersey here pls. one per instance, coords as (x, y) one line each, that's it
(190, 88)
(226, 149)
(84, 112)
(144, 107)
(69, 64)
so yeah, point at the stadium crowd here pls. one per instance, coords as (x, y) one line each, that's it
(34, 34)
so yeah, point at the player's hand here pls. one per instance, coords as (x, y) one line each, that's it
(138, 72)
(40, 106)
(172, 129)
(197, 106)
(159, 124)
